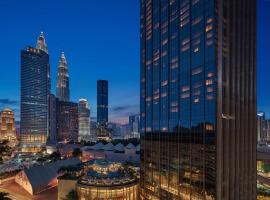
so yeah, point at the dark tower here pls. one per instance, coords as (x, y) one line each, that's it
(102, 101)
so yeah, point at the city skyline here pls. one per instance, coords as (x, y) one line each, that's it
(96, 56)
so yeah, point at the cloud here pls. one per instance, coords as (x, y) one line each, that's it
(8, 102)
(122, 112)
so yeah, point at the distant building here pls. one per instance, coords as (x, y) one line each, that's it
(261, 127)
(67, 127)
(84, 120)
(102, 101)
(8, 127)
(134, 123)
(62, 90)
(101, 179)
(267, 130)
(35, 90)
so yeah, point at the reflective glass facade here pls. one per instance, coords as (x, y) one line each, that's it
(35, 89)
(187, 110)
(102, 101)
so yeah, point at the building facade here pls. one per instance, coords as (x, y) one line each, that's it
(102, 101)
(67, 126)
(198, 99)
(62, 90)
(52, 119)
(261, 127)
(35, 90)
(8, 127)
(84, 120)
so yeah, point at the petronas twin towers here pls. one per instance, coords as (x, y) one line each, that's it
(62, 90)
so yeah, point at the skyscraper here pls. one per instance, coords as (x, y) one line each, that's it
(84, 120)
(198, 99)
(261, 126)
(67, 126)
(102, 101)
(62, 90)
(35, 90)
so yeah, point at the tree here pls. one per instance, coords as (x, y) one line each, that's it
(72, 195)
(76, 152)
(4, 196)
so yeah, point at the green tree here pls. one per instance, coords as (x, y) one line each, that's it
(76, 152)
(4, 196)
(72, 195)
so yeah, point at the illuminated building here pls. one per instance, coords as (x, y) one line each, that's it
(102, 101)
(84, 120)
(35, 90)
(7, 126)
(101, 179)
(67, 126)
(62, 90)
(39, 178)
(261, 127)
(198, 99)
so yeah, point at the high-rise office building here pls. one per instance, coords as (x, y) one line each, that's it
(52, 119)
(261, 126)
(35, 90)
(102, 101)
(8, 127)
(67, 126)
(62, 90)
(198, 99)
(84, 120)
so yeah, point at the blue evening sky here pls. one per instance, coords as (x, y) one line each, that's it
(101, 41)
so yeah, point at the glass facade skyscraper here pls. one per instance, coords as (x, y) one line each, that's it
(198, 99)
(35, 90)
(67, 126)
(62, 90)
(102, 101)
(84, 120)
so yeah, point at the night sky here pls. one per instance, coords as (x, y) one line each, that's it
(101, 41)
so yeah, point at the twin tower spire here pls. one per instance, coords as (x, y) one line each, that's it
(62, 88)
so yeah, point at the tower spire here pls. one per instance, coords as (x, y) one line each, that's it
(63, 93)
(41, 43)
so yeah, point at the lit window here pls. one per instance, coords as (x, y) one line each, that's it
(210, 89)
(209, 20)
(196, 71)
(208, 28)
(196, 100)
(209, 127)
(164, 83)
(185, 95)
(196, 21)
(209, 82)
(164, 94)
(210, 74)
(196, 49)
(185, 88)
